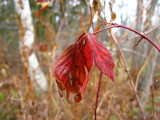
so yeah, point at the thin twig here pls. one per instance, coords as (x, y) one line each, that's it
(152, 91)
(59, 32)
(91, 15)
(103, 98)
(116, 113)
(146, 32)
(139, 15)
(136, 44)
(124, 61)
(142, 35)
(99, 85)
(127, 50)
(143, 68)
(129, 75)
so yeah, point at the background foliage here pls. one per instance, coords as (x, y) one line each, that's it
(58, 27)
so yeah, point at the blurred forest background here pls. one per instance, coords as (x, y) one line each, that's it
(29, 46)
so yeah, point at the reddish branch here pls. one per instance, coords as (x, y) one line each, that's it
(126, 67)
(99, 85)
(142, 35)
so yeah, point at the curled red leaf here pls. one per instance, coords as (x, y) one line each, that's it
(69, 70)
(72, 68)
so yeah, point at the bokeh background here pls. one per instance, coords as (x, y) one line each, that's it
(23, 97)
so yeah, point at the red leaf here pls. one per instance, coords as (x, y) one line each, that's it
(85, 49)
(69, 67)
(102, 57)
(85, 83)
(69, 70)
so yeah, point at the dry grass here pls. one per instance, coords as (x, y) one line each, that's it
(19, 100)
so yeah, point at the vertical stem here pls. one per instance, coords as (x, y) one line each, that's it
(96, 104)
(124, 61)
(132, 84)
(129, 75)
(153, 104)
(91, 15)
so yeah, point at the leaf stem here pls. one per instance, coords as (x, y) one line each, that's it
(145, 37)
(96, 104)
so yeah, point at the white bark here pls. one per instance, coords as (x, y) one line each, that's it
(35, 73)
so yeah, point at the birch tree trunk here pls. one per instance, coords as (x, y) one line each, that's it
(26, 31)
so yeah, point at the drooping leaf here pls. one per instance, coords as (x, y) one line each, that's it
(102, 57)
(71, 66)
(86, 51)
(85, 82)
(69, 70)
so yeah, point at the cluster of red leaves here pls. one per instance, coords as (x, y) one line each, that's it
(44, 4)
(72, 68)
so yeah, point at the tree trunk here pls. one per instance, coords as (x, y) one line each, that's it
(29, 58)
(146, 83)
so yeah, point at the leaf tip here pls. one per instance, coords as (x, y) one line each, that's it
(78, 97)
(113, 80)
